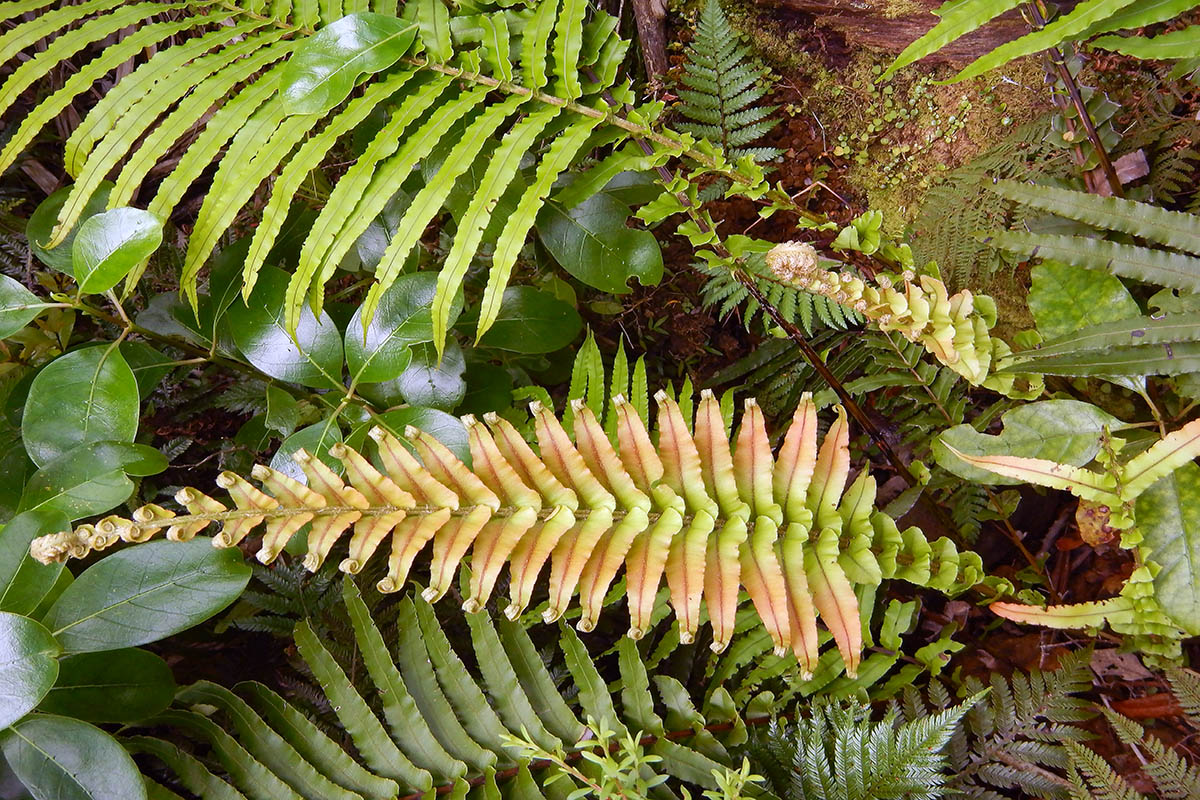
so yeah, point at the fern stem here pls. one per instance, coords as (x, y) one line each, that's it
(1059, 62)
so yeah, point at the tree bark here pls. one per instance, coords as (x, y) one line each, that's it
(874, 25)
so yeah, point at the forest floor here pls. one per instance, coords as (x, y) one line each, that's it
(826, 90)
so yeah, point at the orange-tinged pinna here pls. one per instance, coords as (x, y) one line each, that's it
(710, 516)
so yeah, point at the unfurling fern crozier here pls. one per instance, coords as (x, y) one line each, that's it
(710, 518)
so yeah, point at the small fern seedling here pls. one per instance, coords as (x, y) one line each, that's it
(722, 84)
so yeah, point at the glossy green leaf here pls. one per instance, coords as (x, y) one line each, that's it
(402, 319)
(1165, 344)
(146, 592)
(28, 666)
(314, 358)
(1168, 515)
(90, 479)
(87, 395)
(121, 686)
(592, 242)
(1065, 298)
(44, 219)
(958, 18)
(323, 70)
(23, 581)
(445, 428)
(432, 383)
(1066, 26)
(1183, 43)
(149, 365)
(531, 321)
(1132, 361)
(283, 410)
(65, 759)
(1063, 431)
(316, 439)
(18, 306)
(111, 244)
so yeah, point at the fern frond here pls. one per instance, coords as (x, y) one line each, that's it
(427, 724)
(724, 82)
(711, 518)
(1017, 736)
(534, 82)
(838, 753)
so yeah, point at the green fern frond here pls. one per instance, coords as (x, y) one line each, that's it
(726, 294)
(960, 205)
(242, 94)
(420, 720)
(722, 84)
(1018, 736)
(1185, 683)
(838, 753)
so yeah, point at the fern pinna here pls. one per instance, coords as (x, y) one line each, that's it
(786, 528)
(271, 90)
(443, 727)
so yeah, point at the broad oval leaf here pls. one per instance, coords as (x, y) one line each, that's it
(531, 321)
(434, 383)
(323, 70)
(90, 479)
(122, 686)
(18, 306)
(44, 220)
(87, 395)
(1064, 298)
(1063, 431)
(1168, 515)
(28, 666)
(23, 581)
(316, 439)
(403, 318)
(445, 428)
(58, 758)
(593, 243)
(144, 593)
(313, 359)
(111, 244)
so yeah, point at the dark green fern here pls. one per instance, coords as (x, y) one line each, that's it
(1174, 778)
(1017, 738)
(838, 753)
(722, 84)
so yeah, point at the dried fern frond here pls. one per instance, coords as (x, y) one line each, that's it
(712, 518)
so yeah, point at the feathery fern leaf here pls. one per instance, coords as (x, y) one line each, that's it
(429, 723)
(1017, 737)
(838, 753)
(788, 528)
(724, 82)
(262, 92)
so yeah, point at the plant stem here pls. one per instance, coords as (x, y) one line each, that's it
(1059, 62)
